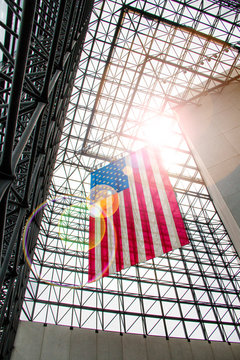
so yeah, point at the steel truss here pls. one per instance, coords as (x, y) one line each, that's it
(40, 47)
(140, 59)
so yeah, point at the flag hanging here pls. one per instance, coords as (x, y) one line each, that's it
(134, 214)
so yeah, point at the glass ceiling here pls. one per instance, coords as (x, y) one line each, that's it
(140, 61)
(137, 66)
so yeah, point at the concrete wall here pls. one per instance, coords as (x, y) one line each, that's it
(37, 342)
(213, 133)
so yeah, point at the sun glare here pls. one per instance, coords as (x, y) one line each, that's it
(158, 131)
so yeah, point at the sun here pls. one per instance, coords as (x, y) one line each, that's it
(158, 130)
(161, 132)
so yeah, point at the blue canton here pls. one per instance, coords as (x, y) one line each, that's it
(111, 175)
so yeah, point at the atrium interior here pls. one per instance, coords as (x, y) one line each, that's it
(99, 80)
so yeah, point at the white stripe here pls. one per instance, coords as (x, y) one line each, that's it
(98, 237)
(110, 236)
(124, 232)
(136, 214)
(150, 207)
(164, 201)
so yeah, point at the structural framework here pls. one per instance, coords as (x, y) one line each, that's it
(41, 42)
(140, 60)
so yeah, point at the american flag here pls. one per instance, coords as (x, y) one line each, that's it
(134, 214)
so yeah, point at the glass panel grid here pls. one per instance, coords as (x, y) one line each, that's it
(140, 60)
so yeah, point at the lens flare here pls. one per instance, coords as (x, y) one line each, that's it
(111, 254)
(67, 229)
(127, 170)
(104, 201)
(95, 238)
(69, 234)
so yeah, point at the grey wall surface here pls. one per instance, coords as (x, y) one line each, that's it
(52, 342)
(212, 129)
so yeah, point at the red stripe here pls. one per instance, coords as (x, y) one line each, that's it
(177, 217)
(118, 240)
(161, 222)
(104, 247)
(91, 250)
(146, 229)
(130, 228)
